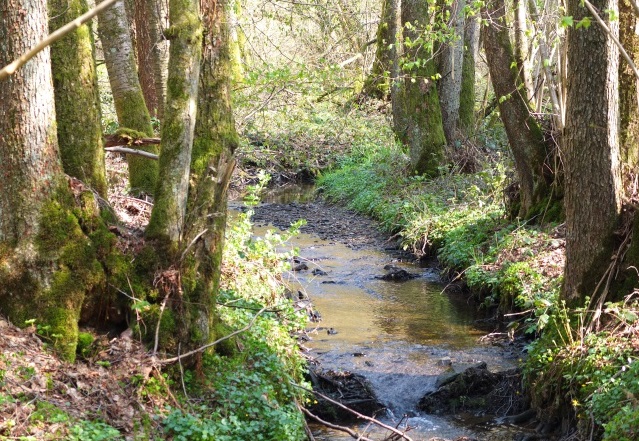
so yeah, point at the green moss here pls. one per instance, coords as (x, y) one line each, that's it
(85, 340)
(76, 98)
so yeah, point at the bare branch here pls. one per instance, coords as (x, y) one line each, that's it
(219, 340)
(52, 38)
(357, 414)
(351, 432)
(129, 151)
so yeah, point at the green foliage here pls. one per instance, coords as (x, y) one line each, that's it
(594, 375)
(249, 393)
(93, 431)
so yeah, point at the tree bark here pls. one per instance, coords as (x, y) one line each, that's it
(417, 116)
(524, 134)
(451, 59)
(152, 54)
(211, 167)
(29, 158)
(628, 90)
(591, 149)
(47, 263)
(167, 218)
(77, 101)
(377, 84)
(522, 47)
(127, 93)
(467, 94)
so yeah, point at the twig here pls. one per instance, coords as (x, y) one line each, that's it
(182, 373)
(219, 340)
(357, 414)
(157, 327)
(192, 243)
(130, 151)
(351, 432)
(55, 36)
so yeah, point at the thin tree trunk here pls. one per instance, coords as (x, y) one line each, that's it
(77, 99)
(591, 153)
(377, 83)
(167, 218)
(127, 93)
(143, 47)
(467, 94)
(153, 53)
(524, 134)
(417, 116)
(451, 58)
(628, 88)
(522, 47)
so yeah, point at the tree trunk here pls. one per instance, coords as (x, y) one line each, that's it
(127, 93)
(167, 218)
(593, 187)
(237, 40)
(467, 94)
(451, 58)
(211, 167)
(417, 116)
(628, 90)
(152, 54)
(524, 134)
(46, 261)
(77, 102)
(377, 83)
(522, 45)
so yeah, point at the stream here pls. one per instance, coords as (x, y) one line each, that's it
(399, 335)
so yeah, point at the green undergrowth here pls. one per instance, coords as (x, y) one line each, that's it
(460, 218)
(589, 376)
(248, 387)
(308, 137)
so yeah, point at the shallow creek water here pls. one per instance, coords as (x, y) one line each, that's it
(396, 334)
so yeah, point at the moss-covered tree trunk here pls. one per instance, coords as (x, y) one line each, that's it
(467, 94)
(77, 102)
(46, 262)
(524, 134)
(129, 102)
(591, 153)
(628, 90)
(451, 59)
(417, 116)
(167, 218)
(237, 41)
(377, 84)
(629, 129)
(211, 168)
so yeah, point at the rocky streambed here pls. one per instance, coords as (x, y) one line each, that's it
(387, 340)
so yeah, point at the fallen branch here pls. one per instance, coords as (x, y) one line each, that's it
(52, 38)
(128, 151)
(357, 414)
(219, 340)
(122, 139)
(351, 432)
